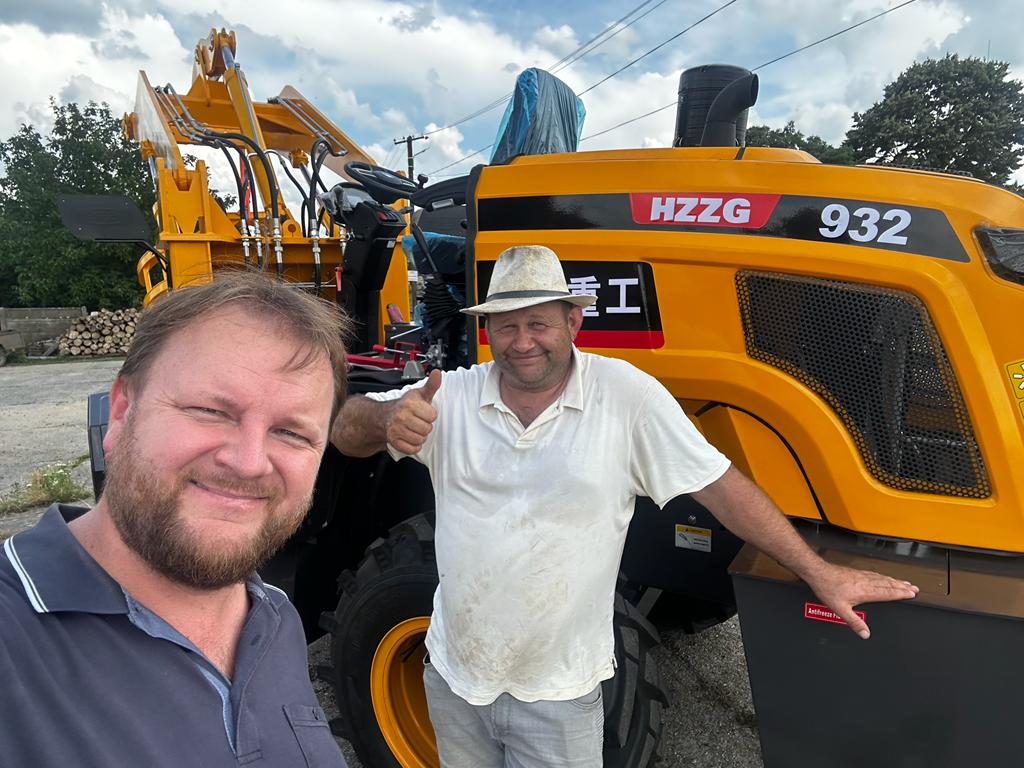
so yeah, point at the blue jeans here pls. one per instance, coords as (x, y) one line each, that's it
(508, 733)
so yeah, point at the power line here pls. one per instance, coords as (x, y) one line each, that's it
(660, 45)
(562, 63)
(834, 34)
(627, 122)
(559, 66)
(609, 77)
(474, 152)
(759, 66)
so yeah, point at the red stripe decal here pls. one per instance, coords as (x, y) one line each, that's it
(817, 612)
(611, 339)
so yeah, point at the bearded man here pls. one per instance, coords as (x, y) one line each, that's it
(137, 632)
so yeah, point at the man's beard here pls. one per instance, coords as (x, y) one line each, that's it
(147, 514)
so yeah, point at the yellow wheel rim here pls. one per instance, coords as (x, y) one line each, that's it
(396, 688)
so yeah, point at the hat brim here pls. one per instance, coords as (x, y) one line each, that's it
(510, 305)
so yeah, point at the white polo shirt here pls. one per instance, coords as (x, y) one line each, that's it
(531, 522)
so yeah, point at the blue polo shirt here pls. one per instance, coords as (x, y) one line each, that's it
(90, 677)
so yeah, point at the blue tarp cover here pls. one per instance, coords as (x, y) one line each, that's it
(544, 116)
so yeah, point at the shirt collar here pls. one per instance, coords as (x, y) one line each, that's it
(571, 397)
(57, 573)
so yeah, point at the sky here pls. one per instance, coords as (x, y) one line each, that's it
(382, 70)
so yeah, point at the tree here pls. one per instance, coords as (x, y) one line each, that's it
(790, 138)
(41, 263)
(948, 114)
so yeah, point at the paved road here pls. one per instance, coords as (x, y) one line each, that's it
(709, 725)
(42, 414)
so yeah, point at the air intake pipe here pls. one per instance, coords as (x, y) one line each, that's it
(734, 100)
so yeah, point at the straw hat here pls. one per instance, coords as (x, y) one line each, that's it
(524, 276)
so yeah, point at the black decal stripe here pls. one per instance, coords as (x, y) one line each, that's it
(471, 230)
(795, 218)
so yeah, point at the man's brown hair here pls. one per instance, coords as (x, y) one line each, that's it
(318, 326)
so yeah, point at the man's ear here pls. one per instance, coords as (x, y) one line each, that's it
(120, 403)
(575, 321)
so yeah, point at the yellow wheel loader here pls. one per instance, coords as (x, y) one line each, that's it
(848, 336)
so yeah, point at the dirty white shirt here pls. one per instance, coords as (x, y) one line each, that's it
(531, 522)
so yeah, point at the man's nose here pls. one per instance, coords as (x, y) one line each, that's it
(246, 454)
(523, 340)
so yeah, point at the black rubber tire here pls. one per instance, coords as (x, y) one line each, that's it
(396, 581)
(633, 699)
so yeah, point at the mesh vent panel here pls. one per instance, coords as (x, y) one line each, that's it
(873, 354)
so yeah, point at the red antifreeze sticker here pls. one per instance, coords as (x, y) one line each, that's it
(824, 613)
(703, 209)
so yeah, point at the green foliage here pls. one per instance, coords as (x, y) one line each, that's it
(790, 138)
(41, 263)
(50, 484)
(947, 114)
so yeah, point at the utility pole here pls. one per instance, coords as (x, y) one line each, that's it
(408, 140)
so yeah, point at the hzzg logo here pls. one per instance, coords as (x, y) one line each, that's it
(714, 210)
(701, 210)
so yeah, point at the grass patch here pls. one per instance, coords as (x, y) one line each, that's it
(49, 484)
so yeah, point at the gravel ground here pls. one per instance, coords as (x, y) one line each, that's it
(710, 723)
(42, 414)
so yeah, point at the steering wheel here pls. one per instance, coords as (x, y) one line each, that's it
(383, 185)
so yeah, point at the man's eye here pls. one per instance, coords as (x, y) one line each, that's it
(538, 326)
(294, 436)
(202, 410)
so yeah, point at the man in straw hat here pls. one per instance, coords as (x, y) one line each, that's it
(537, 460)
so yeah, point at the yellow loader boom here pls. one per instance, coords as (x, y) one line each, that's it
(286, 133)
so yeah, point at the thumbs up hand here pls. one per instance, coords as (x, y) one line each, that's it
(412, 416)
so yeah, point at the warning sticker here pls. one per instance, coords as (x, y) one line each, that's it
(818, 612)
(1016, 373)
(691, 537)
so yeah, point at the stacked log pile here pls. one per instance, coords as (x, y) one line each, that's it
(104, 332)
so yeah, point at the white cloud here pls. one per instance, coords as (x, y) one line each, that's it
(76, 65)
(383, 69)
(561, 40)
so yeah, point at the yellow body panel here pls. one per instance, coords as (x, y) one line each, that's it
(704, 357)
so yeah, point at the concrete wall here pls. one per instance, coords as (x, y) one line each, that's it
(38, 323)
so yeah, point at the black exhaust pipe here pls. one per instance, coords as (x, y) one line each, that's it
(734, 100)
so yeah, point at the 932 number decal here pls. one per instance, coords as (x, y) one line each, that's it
(865, 224)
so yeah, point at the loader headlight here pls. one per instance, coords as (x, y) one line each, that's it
(1004, 249)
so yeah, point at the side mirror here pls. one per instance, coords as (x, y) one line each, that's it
(109, 219)
(103, 218)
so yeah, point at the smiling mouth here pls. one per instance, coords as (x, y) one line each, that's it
(228, 494)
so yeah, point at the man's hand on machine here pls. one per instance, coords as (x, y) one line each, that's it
(841, 588)
(412, 416)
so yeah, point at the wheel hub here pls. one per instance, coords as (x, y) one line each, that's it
(399, 702)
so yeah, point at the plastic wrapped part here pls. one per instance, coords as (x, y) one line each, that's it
(698, 87)
(341, 199)
(1004, 249)
(544, 117)
(447, 254)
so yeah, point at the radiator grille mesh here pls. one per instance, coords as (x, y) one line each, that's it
(873, 354)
